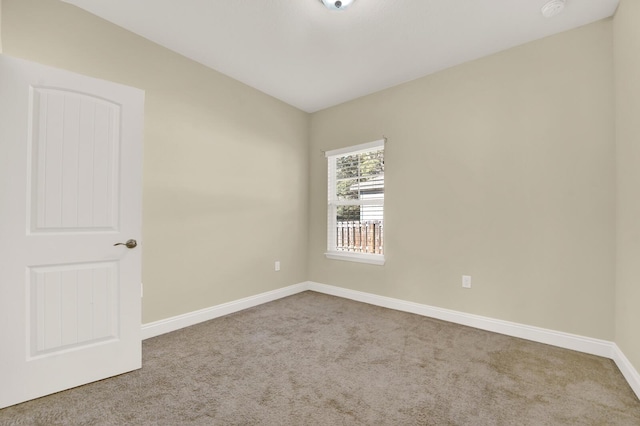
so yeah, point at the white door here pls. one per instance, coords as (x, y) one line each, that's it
(70, 188)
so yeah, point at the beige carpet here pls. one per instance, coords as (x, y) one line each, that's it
(313, 359)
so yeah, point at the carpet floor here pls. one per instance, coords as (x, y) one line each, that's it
(313, 359)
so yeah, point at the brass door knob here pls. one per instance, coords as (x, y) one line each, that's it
(130, 244)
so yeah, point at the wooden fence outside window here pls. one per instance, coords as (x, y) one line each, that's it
(360, 236)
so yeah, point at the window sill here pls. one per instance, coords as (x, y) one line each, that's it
(373, 259)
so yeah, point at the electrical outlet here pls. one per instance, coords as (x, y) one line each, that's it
(277, 266)
(466, 281)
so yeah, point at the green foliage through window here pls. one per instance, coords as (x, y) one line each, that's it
(357, 174)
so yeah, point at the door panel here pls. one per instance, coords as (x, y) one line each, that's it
(72, 306)
(70, 188)
(75, 161)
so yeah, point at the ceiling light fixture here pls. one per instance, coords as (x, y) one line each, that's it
(553, 8)
(337, 4)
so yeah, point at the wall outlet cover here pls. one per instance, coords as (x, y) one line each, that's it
(466, 281)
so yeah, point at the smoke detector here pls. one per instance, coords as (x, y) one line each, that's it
(337, 4)
(553, 8)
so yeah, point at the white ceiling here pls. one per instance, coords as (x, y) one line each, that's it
(313, 58)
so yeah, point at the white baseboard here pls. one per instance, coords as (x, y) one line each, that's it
(627, 370)
(541, 335)
(560, 339)
(167, 325)
(574, 342)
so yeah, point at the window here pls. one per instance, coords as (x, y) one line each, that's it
(356, 203)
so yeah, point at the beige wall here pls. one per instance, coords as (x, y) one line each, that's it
(627, 89)
(225, 176)
(503, 169)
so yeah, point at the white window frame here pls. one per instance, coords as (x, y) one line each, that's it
(333, 203)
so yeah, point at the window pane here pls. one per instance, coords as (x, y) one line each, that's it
(371, 163)
(348, 213)
(372, 187)
(347, 167)
(371, 213)
(347, 189)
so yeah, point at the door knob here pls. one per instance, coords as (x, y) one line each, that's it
(130, 244)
